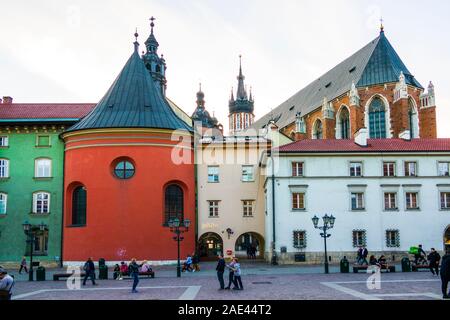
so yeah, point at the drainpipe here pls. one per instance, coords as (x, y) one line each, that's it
(274, 253)
(63, 202)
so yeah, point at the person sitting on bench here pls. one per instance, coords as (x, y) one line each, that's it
(123, 270)
(116, 275)
(373, 261)
(187, 266)
(383, 262)
(145, 267)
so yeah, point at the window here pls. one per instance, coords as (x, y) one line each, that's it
(124, 170)
(412, 201)
(247, 173)
(410, 169)
(40, 246)
(43, 141)
(297, 169)
(318, 130)
(238, 121)
(174, 203)
(357, 201)
(413, 119)
(377, 119)
(41, 203)
(79, 204)
(359, 238)
(444, 169)
(3, 203)
(355, 169)
(299, 241)
(298, 201)
(248, 208)
(213, 174)
(392, 238)
(390, 201)
(445, 200)
(4, 168)
(389, 169)
(43, 168)
(213, 209)
(3, 141)
(344, 123)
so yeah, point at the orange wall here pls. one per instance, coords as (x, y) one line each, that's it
(125, 217)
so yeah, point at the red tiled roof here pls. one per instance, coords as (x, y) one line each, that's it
(378, 145)
(45, 110)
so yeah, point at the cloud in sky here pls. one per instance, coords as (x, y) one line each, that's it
(71, 51)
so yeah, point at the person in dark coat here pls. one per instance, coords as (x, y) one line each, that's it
(445, 275)
(133, 269)
(89, 269)
(434, 257)
(220, 270)
(230, 274)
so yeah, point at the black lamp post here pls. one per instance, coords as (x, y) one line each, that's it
(178, 228)
(328, 223)
(28, 229)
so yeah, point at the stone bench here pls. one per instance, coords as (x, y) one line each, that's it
(57, 276)
(358, 268)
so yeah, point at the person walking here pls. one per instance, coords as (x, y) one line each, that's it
(89, 269)
(237, 275)
(434, 257)
(6, 285)
(23, 265)
(133, 269)
(230, 274)
(445, 275)
(220, 270)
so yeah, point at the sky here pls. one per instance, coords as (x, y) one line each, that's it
(71, 51)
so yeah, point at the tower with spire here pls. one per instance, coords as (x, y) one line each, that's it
(202, 116)
(155, 65)
(241, 108)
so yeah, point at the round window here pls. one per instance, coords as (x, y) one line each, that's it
(124, 170)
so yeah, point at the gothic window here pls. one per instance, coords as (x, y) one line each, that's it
(344, 122)
(377, 119)
(79, 204)
(318, 130)
(413, 120)
(174, 206)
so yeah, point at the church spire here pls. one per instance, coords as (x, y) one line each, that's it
(241, 92)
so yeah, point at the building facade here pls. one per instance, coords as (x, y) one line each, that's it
(31, 177)
(385, 196)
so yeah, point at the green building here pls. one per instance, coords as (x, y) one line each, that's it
(31, 177)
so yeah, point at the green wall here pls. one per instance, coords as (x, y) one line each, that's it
(20, 186)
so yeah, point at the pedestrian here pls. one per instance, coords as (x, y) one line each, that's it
(89, 269)
(253, 251)
(133, 270)
(6, 285)
(220, 270)
(445, 275)
(23, 265)
(116, 275)
(420, 256)
(187, 266)
(237, 275)
(434, 257)
(362, 256)
(195, 262)
(230, 267)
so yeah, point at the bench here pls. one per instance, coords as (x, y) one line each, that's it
(149, 274)
(358, 268)
(57, 276)
(416, 268)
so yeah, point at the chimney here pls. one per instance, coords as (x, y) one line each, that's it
(405, 135)
(361, 137)
(7, 100)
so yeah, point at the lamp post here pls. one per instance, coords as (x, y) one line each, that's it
(328, 223)
(178, 228)
(28, 229)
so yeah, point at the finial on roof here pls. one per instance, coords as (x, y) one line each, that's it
(136, 43)
(381, 25)
(136, 34)
(152, 23)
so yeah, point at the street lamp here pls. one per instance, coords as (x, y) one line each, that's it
(28, 229)
(328, 223)
(178, 228)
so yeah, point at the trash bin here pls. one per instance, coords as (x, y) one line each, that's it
(103, 272)
(406, 265)
(40, 274)
(345, 265)
(101, 262)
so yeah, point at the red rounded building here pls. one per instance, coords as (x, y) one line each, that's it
(129, 169)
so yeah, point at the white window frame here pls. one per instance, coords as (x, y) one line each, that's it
(4, 141)
(213, 207)
(446, 203)
(353, 166)
(363, 201)
(391, 174)
(303, 194)
(213, 175)
(390, 200)
(35, 202)
(440, 173)
(296, 171)
(4, 168)
(41, 171)
(3, 202)
(248, 208)
(417, 201)
(245, 176)
(416, 174)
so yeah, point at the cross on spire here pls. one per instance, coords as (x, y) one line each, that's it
(152, 23)
(381, 25)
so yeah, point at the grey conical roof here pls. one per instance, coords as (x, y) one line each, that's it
(133, 101)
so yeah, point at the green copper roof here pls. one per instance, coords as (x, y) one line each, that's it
(133, 101)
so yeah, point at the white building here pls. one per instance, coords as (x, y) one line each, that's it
(387, 194)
